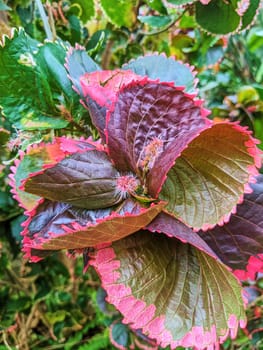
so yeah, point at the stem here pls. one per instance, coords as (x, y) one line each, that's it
(51, 20)
(44, 19)
(165, 28)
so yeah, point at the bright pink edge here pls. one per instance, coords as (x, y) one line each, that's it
(29, 243)
(254, 265)
(138, 315)
(254, 152)
(68, 146)
(252, 170)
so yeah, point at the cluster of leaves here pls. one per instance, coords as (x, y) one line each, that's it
(42, 307)
(76, 216)
(45, 105)
(234, 88)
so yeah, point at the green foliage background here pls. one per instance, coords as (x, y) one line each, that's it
(52, 304)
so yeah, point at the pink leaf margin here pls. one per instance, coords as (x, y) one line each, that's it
(254, 266)
(139, 315)
(66, 147)
(256, 154)
(38, 244)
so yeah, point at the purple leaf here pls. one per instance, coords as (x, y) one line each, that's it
(164, 223)
(55, 226)
(152, 123)
(86, 180)
(38, 157)
(239, 243)
(175, 293)
(211, 175)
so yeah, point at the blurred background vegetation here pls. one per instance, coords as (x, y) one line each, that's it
(52, 304)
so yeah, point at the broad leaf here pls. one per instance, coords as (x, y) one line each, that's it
(103, 86)
(35, 159)
(210, 176)
(55, 226)
(99, 90)
(85, 180)
(152, 123)
(250, 14)
(164, 223)
(77, 64)
(165, 69)
(218, 17)
(87, 9)
(242, 238)
(121, 13)
(157, 5)
(155, 21)
(26, 96)
(175, 293)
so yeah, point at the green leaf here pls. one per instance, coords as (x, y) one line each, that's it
(78, 63)
(26, 95)
(250, 14)
(87, 9)
(157, 5)
(165, 69)
(218, 17)
(155, 21)
(119, 335)
(175, 293)
(96, 42)
(4, 7)
(120, 12)
(258, 127)
(209, 178)
(179, 2)
(4, 137)
(247, 94)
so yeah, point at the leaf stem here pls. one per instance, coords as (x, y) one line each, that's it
(44, 19)
(175, 19)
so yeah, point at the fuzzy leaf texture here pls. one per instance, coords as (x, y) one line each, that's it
(175, 293)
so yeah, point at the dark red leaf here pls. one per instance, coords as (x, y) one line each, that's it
(86, 180)
(38, 157)
(55, 226)
(152, 123)
(239, 243)
(167, 224)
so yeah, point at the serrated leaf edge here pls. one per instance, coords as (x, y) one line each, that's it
(139, 315)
